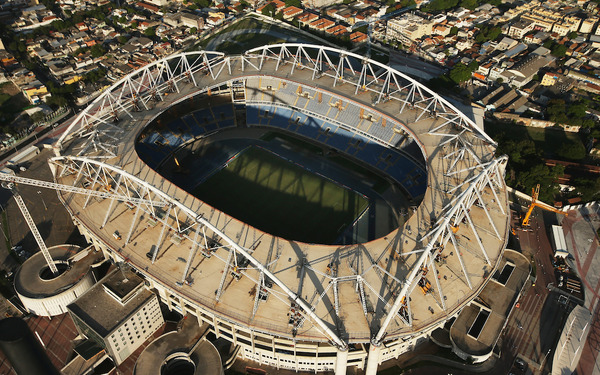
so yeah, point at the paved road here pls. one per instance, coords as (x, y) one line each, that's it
(53, 222)
(535, 326)
(51, 217)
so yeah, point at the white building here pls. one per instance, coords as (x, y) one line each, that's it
(588, 25)
(408, 28)
(118, 313)
(45, 294)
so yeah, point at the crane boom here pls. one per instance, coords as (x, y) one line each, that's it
(73, 189)
(534, 203)
(34, 231)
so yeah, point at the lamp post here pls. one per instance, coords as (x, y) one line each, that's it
(40, 194)
(544, 360)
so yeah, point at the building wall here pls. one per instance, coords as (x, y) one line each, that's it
(158, 3)
(57, 304)
(134, 331)
(588, 25)
(262, 347)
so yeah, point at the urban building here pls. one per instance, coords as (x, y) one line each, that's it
(118, 313)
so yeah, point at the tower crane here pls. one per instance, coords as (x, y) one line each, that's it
(9, 182)
(29, 220)
(535, 203)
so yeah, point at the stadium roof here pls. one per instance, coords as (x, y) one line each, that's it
(463, 215)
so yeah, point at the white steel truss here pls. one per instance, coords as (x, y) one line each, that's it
(131, 186)
(133, 92)
(366, 75)
(452, 216)
(101, 126)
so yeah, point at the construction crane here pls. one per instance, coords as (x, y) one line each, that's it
(29, 220)
(535, 203)
(9, 182)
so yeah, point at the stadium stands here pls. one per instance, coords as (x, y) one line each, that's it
(160, 141)
(395, 163)
(318, 115)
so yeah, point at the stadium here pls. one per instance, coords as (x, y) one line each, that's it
(316, 208)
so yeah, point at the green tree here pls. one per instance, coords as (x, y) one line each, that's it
(578, 110)
(294, 3)
(95, 75)
(56, 101)
(193, 30)
(485, 34)
(150, 32)
(243, 5)
(588, 188)
(97, 50)
(203, 3)
(122, 39)
(571, 151)
(572, 35)
(469, 4)
(461, 73)
(559, 50)
(556, 111)
(37, 116)
(439, 5)
(269, 10)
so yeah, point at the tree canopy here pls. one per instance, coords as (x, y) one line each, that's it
(269, 9)
(150, 32)
(487, 33)
(461, 72)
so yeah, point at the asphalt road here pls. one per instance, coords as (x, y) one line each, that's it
(52, 219)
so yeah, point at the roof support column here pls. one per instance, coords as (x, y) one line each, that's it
(341, 361)
(373, 359)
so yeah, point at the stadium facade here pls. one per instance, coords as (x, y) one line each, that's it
(290, 304)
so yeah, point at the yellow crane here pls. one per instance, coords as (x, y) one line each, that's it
(534, 203)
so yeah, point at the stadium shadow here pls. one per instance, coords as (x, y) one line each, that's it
(168, 145)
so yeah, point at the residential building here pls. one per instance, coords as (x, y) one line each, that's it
(522, 73)
(519, 29)
(587, 25)
(184, 19)
(549, 79)
(408, 28)
(506, 43)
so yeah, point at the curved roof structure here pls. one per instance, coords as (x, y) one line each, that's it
(28, 280)
(393, 287)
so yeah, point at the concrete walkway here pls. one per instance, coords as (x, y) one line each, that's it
(183, 340)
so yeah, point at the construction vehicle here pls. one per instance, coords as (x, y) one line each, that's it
(425, 286)
(535, 203)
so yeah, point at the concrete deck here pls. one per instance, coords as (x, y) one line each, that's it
(28, 282)
(499, 300)
(302, 267)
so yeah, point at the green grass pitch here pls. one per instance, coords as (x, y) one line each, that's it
(281, 198)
